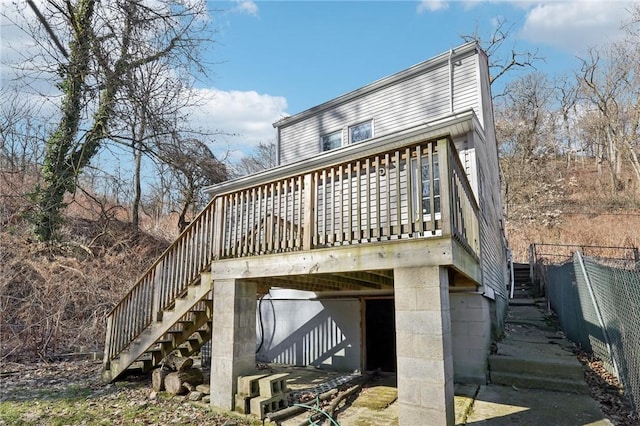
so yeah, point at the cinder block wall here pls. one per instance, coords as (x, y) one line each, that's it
(471, 330)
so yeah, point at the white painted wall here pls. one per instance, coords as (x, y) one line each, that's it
(471, 333)
(297, 331)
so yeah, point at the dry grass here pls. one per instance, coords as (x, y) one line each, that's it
(54, 298)
(585, 212)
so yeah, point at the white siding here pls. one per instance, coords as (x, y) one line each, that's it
(418, 99)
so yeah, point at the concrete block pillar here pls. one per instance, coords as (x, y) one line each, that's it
(233, 337)
(423, 346)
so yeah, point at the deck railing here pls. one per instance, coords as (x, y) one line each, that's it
(416, 191)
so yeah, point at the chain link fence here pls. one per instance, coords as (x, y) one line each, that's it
(597, 301)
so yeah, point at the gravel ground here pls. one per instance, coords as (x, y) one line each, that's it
(71, 393)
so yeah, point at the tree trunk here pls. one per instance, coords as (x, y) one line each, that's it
(173, 382)
(137, 188)
(177, 363)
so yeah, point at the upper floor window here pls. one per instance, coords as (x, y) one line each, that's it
(361, 132)
(331, 141)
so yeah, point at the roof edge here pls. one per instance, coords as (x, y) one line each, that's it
(419, 68)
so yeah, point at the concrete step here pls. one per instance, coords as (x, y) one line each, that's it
(560, 368)
(533, 382)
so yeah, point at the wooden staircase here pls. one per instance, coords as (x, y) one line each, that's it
(169, 308)
(184, 327)
(523, 288)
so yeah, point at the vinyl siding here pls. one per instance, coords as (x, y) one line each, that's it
(421, 98)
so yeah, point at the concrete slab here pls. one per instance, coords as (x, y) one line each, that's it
(504, 405)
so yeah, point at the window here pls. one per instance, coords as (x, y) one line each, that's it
(331, 141)
(361, 132)
(424, 199)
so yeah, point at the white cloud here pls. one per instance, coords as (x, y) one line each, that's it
(432, 6)
(247, 6)
(246, 115)
(575, 26)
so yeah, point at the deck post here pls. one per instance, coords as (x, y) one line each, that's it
(234, 338)
(218, 233)
(309, 212)
(446, 197)
(424, 346)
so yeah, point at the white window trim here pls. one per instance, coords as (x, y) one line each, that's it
(329, 134)
(373, 132)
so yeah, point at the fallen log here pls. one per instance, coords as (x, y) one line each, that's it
(157, 379)
(174, 382)
(173, 362)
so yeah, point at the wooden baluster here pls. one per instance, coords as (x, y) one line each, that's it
(252, 226)
(409, 173)
(299, 222)
(325, 203)
(418, 215)
(387, 195)
(349, 180)
(368, 198)
(359, 201)
(332, 205)
(309, 208)
(398, 167)
(377, 189)
(291, 223)
(278, 217)
(340, 204)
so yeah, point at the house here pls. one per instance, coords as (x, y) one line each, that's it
(381, 227)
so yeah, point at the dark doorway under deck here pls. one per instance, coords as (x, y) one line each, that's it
(380, 340)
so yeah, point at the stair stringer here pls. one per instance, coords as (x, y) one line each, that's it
(158, 329)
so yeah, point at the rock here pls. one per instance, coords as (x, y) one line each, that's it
(195, 396)
(204, 388)
(153, 395)
(206, 399)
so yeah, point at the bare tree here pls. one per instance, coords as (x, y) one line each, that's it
(503, 61)
(529, 143)
(262, 158)
(104, 44)
(152, 109)
(194, 166)
(611, 95)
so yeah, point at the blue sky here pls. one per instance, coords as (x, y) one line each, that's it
(282, 57)
(275, 58)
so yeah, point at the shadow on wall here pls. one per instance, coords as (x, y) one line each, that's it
(303, 332)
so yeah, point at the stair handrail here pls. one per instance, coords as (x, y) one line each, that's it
(169, 276)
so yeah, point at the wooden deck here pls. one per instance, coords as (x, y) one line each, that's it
(342, 226)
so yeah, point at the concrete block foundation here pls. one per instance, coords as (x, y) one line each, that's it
(423, 346)
(234, 331)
